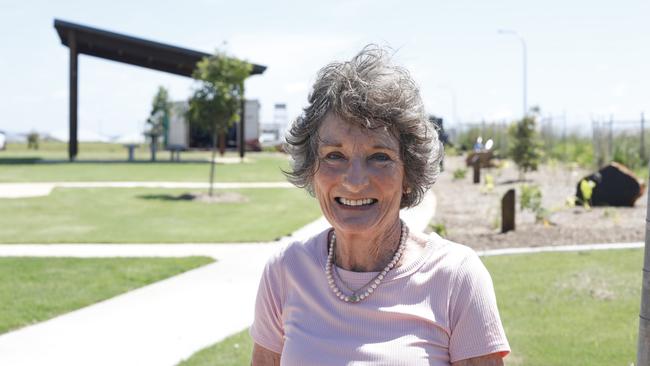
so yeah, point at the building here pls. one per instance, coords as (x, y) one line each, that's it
(273, 133)
(178, 131)
(181, 134)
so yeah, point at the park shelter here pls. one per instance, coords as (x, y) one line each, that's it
(86, 40)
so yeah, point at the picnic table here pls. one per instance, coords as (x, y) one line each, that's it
(175, 151)
(131, 148)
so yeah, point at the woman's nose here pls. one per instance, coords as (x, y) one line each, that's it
(356, 176)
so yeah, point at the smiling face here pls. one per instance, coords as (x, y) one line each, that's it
(359, 179)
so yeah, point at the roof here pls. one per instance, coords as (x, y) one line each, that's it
(132, 50)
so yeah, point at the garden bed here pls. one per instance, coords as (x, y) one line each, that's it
(471, 213)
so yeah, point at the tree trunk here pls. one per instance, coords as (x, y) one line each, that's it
(222, 143)
(643, 351)
(154, 147)
(212, 162)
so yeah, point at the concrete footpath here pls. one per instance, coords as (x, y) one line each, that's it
(163, 323)
(22, 190)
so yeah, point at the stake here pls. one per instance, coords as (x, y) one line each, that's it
(508, 211)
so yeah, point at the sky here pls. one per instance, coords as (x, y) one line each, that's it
(585, 59)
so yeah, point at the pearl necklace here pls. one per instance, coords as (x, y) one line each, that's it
(371, 286)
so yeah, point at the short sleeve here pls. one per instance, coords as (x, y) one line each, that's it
(267, 329)
(476, 328)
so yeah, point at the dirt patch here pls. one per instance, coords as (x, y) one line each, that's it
(217, 197)
(471, 213)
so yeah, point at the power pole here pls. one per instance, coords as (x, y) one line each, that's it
(643, 350)
(611, 137)
(564, 144)
(642, 138)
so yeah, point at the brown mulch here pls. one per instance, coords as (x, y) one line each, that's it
(471, 214)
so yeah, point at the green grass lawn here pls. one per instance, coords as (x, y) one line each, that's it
(557, 308)
(50, 150)
(570, 308)
(145, 215)
(260, 167)
(89, 151)
(36, 289)
(233, 351)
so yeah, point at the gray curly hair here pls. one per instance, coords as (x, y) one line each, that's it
(371, 92)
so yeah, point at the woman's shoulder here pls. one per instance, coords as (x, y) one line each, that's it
(449, 254)
(451, 248)
(295, 251)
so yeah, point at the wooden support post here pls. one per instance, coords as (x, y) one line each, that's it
(508, 211)
(73, 147)
(242, 129)
(477, 169)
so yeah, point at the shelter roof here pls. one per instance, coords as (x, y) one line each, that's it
(132, 50)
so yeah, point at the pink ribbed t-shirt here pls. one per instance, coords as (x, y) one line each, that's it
(436, 310)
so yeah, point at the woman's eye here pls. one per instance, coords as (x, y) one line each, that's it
(380, 157)
(334, 156)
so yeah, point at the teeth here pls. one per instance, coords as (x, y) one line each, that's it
(365, 201)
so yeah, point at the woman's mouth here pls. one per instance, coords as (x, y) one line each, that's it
(356, 202)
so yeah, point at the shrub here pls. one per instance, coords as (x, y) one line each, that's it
(439, 228)
(626, 152)
(526, 147)
(460, 173)
(587, 189)
(574, 149)
(488, 186)
(489, 182)
(531, 199)
(32, 140)
(452, 151)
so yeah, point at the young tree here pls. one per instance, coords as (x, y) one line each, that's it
(32, 140)
(158, 118)
(526, 149)
(218, 96)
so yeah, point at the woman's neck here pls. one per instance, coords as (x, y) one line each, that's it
(367, 252)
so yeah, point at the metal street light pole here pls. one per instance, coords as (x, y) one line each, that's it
(523, 46)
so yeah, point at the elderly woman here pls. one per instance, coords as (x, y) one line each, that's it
(368, 291)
